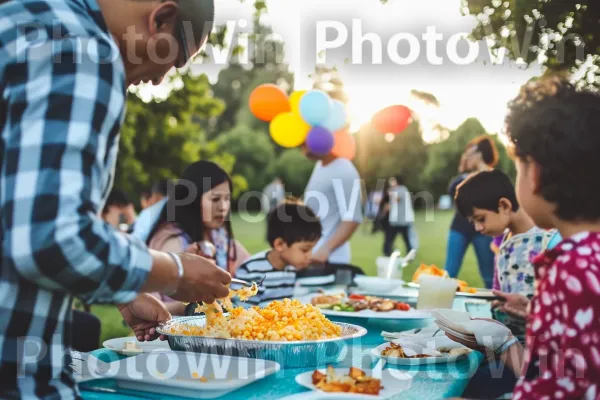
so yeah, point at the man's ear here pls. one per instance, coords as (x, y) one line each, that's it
(505, 205)
(164, 18)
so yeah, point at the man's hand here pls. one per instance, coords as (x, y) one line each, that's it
(192, 249)
(513, 304)
(320, 256)
(143, 315)
(202, 280)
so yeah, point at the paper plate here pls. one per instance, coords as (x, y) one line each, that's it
(118, 346)
(393, 381)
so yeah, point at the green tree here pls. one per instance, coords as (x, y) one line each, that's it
(160, 138)
(253, 152)
(328, 79)
(237, 81)
(556, 33)
(378, 158)
(295, 169)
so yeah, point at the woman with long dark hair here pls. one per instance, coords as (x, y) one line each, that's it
(198, 212)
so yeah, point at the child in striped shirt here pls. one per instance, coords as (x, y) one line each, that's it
(292, 231)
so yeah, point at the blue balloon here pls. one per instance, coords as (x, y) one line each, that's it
(337, 117)
(315, 107)
(319, 141)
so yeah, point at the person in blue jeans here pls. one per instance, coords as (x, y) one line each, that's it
(479, 155)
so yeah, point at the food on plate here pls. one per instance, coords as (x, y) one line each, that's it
(131, 347)
(196, 375)
(395, 350)
(357, 302)
(286, 320)
(355, 382)
(435, 271)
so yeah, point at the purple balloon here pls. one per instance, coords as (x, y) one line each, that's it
(319, 141)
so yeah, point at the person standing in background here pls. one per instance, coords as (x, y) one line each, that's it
(334, 194)
(401, 217)
(273, 194)
(480, 155)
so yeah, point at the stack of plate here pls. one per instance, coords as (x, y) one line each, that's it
(451, 322)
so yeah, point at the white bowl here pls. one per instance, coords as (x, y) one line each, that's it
(377, 285)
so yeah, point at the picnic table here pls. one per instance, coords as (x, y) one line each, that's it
(434, 381)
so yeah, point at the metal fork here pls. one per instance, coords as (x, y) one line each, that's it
(246, 283)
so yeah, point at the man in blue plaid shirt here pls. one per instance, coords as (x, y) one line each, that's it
(65, 66)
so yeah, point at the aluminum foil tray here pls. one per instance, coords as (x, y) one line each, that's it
(299, 354)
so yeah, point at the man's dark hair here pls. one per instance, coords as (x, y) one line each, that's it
(558, 127)
(485, 145)
(293, 222)
(484, 190)
(399, 179)
(116, 198)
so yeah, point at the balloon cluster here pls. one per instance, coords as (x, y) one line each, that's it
(309, 117)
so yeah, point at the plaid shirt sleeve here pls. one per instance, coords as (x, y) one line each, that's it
(65, 102)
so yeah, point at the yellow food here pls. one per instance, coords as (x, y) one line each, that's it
(286, 320)
(435, 271)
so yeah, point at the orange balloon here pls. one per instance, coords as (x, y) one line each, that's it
(267, 101)
(344, 145)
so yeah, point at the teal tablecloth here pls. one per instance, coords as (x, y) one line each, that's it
(429, 382)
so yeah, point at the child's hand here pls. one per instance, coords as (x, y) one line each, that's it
(514, 304)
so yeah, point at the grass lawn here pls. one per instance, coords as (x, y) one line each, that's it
(365, 248)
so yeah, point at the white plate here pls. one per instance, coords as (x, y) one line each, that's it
(178, 373)
(369, 314)
(467, 338)
(377, 285)
(415, 361)
(453, 319)
(393, 381)
(482, 293)
(401, 292)
(118, 344)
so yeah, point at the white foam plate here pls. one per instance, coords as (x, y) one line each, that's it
(482, 293)
(421, 361)
(376, 285)
(178, 373)
(118, 345)
(393, 381)
(467, 338)
(369, 314)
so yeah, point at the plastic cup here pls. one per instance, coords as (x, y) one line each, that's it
(436, 292)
